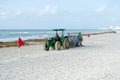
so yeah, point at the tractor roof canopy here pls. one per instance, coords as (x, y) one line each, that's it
(58, 29)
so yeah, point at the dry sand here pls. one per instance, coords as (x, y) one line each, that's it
(99, 59)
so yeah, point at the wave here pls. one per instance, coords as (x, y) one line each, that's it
(14, 33)
(10, 39)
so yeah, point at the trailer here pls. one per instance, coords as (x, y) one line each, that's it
(75, 39)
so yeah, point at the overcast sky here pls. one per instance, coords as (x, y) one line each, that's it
(73, 14)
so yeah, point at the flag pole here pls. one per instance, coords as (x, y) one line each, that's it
(18, 52)
(18, 47)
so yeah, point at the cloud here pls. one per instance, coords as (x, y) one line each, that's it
(101, 9)
(31, 11)
(10, 13)
(18, 12)
(3, 14)
(48, 10)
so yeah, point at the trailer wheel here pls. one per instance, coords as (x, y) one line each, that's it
(57, 45)
(79, 43)
(46, 48)
(66, 44)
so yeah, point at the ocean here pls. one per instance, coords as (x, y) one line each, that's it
(13, 34)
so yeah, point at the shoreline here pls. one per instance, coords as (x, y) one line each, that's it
(33, 41)
(15, 43)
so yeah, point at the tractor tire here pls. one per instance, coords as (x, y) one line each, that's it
(79, 43)
(57, 45)
(46, 48)
(66, 44)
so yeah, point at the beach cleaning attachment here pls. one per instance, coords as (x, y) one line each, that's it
(75, 39)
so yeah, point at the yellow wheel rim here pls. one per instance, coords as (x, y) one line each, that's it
(67, 43)
(59, 46)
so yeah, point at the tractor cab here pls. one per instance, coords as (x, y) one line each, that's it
(59, 30)
(60, 36)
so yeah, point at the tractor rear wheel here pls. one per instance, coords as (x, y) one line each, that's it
(46, 48)
(66, 44)
(57, 45)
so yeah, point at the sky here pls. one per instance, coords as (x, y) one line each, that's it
(49, 14)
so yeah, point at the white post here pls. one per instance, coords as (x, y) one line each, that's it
(18, 52)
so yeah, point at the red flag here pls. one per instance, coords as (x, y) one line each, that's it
(20, 42)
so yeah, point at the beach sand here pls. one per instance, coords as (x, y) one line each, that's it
(99, 59)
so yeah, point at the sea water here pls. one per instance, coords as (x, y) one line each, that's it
(13, 34)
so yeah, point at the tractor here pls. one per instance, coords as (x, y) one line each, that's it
(57, 42)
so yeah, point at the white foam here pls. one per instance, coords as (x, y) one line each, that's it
(19, 33)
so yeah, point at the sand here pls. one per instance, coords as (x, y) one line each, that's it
(99, 59)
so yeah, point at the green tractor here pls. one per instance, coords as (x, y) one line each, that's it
(57, 42)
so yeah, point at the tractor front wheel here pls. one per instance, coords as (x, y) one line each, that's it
(46, 48)
(57, 45)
